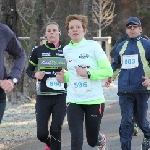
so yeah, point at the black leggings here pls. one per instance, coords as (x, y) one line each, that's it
(75, 115)
(2, 103)
(45, 106)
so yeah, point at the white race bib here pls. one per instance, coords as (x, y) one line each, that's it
(52, 83)
(130, 61)
(81, 85)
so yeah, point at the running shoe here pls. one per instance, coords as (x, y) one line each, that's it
(101, 142)
(146, 142)
(136, 128)
(47, 148)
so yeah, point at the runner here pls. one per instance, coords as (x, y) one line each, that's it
(87, 64)
(51, 95)
(132, 58)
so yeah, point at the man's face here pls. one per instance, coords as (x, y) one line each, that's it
(133, 30)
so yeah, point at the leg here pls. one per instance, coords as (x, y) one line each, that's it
(126, 102)
(58, 114)
(134, 120)
(43, 112)
(75, 116)
(2, 103)
(141, 116)
(92, 123)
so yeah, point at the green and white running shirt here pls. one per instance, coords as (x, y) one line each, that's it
(87, 54)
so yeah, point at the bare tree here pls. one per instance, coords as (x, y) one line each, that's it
(86, 7)
(9, 17)
(9, 14)
(103, 13)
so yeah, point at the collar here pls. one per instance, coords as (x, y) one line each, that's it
(134, 39)
(51, 45)
(76, 44)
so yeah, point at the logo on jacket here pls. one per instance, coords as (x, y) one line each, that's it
(58, 54)
(46, 54)
(60, 50)
(84, 66)
(83, 56)
(69, 60)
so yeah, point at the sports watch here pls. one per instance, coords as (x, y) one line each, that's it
(15, 80)
(89, 74)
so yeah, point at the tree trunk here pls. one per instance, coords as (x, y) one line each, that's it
(36, 30)
(9, 17)
(87, 10)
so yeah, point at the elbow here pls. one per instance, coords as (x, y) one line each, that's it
(109, 72)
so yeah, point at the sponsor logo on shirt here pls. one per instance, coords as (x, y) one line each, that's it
(83, 56)
(46, 54)
(60, 50)
(58, 54)
(69, 60)
(84, 66)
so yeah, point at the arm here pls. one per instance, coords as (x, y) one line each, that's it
(146, 82)
(104, 72)
(119, 40)
(15, 49)
(33, 61)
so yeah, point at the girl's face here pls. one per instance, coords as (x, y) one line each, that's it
(76, 31)
(52, 33)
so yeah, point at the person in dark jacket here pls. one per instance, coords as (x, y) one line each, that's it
(132, 58)
(51, 95)
(120, 39)
(10, 44)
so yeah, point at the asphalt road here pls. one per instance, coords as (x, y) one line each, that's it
(110, 125)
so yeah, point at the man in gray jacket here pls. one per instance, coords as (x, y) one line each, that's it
(9, 43)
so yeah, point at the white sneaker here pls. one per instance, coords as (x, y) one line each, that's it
(101, 142)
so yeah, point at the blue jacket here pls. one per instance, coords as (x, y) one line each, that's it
(9, 43)
(130, 80)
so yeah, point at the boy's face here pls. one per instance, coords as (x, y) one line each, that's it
(76, 31)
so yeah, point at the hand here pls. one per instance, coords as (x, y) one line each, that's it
(7, 85)
(146, 83)
(81, 72)
(60, 76)
(107, 82)
(39, 75)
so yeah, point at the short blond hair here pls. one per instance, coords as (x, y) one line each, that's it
(83, 19)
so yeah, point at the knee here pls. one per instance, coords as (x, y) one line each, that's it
(55, 130)
(126, 130)
(42, 136)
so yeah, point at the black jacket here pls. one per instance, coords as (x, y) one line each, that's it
(53, 55)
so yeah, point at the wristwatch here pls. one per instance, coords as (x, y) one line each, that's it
(15, 80)
(89, 74)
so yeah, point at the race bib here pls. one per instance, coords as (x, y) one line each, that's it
(130, 61)
(81, 85)
(52, 83)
